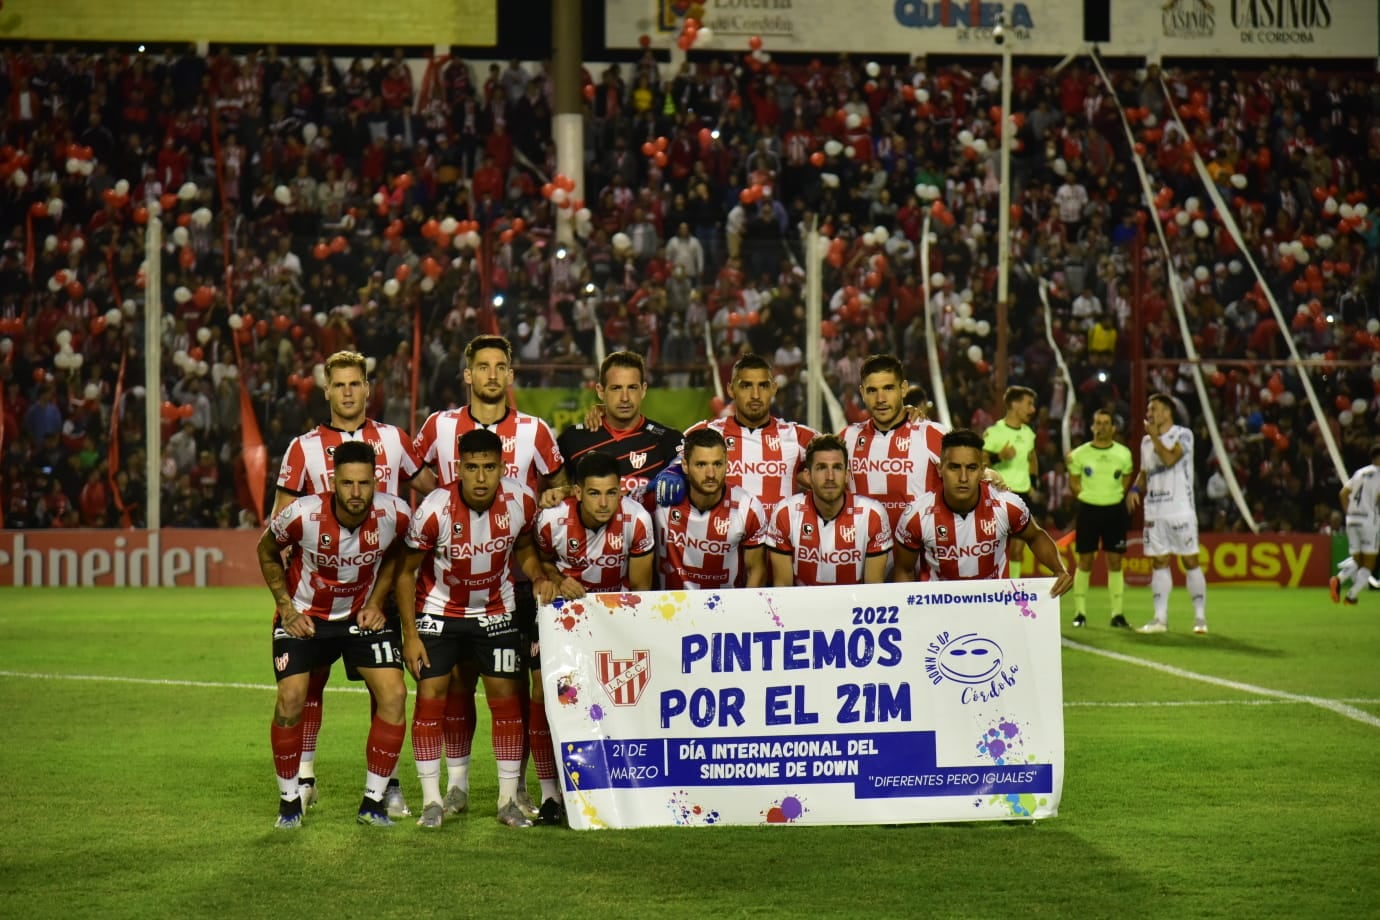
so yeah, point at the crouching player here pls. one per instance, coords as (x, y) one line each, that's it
(341, 562)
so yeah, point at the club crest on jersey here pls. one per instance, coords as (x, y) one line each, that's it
(509, 446)
(330, 451)
(501, 521)
(675, 515)
(989, 528)
(942, 532)
(615, 542)
(637, 458)
(808, 530)
(624, 679)
(326, 539)
(573, 544)
(730, 442)
(848, 533)
(862, 441)
(721, 527)
(457, 528)
(773, 443)
(903, 444)
(371, 538)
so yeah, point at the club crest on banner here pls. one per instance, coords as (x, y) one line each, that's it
(624, 679)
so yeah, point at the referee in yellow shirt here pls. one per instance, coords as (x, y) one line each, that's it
(1099, 473)
(1010, 449)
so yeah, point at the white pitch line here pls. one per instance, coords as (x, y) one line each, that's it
(1336, 706)
(1119, 704)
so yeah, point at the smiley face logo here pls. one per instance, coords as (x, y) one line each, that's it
(970, 659)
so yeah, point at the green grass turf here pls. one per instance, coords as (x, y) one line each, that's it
(1182, 798)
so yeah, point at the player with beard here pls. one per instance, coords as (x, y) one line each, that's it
(532, 457)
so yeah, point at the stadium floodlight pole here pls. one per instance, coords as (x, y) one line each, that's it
(1003, 202)
(568, 120)
(814, 318)
(153, 367)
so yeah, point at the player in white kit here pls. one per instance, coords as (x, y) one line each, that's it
(1361, 499)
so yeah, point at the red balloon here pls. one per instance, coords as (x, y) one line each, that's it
(394, 230)
(168, 201)
(261, 328)
(195, 353)
(281, 323)
(403, 272)
(645, 41)
(755, 43)
(204, 296)
(98, 325)
(589, 91)
(817, 158)
(648, 148)
(321, 251)
(431, 228)
(745, 196)
(75, 290)
(431, 268)
(706, 137)
(1342, 402)
(1282, 441)
(506, 236)
(339, 244)
(141, 215)
(1219, 379)
(186, 257)
(660, 160)
(170, 411)
(519, 225)
(38, 210)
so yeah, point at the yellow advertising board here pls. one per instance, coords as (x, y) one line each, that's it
(259, 22)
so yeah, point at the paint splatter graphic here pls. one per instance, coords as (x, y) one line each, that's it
(567, 691)
(686, 813)
(712, 602)
(1022, 605)
(671, 603)
(614, 603)
(1002, 742)
(570, 614)
(771, 610)
(785, 811)
(596, 713)
(1018, 805)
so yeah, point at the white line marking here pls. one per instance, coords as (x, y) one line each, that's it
(1336, 706)
(1282, 699)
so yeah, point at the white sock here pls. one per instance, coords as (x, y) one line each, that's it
(429, 772)
(458, 773)
(375, 786)
(1347, 570)
(1196, 582)
(1361, 583)
(508, 780)
(1161, 583)
(550, 789)
(288, 789)
(307, 768)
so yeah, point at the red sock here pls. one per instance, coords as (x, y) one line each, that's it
(460, 716)
(311, 709)
(539, 739)
(384, 744)
(426, 728)
(287, 749)
(506, 714)
(525, 707)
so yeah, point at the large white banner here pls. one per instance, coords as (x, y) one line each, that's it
(882, 704)
(1139, 28)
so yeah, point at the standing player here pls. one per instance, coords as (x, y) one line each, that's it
(329, 603)
(713, 537)
(307, 469)
(598, 540)
(1010, 447)
(642, 447)
(893, 458)
(766, 455)
(530, 456)
(1098, 473)
(1171, 521)
(1361, 499)
(828, 535)
(965, 529)
(459, 609)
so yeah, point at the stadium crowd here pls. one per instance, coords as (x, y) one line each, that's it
(311, 207)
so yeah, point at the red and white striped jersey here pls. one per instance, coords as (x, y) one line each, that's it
(894, 467)
(597, 559)
(308, 467)
(765, 460)
(957, 547)
(330, 568)
(704, 549)
(465, 572)
(529, 447)
(829, 552)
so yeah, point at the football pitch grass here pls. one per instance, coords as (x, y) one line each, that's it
(1230, 775)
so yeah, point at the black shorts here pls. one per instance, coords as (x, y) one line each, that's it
(525, 616)
(390, 612)
(1104, 525)
(493, 644)
(381, 648)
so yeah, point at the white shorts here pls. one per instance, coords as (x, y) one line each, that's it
(1172, 536)
(1362, 536)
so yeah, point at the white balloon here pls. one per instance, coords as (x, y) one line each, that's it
(1330, 205)
(427, 284)
(77, 245)
(833, 148)
(1375, 372)
(318, 373)
(1182, 218)
(1192, 203)
(868, 239)
(202, 217)
(704, 37)
(203, 335)
(63, 338)
(91, 392)
(829, 180)
(583, 215)
(391, 287)
(622, 241)
(50, 243)
(1360, 211)
(188, 191)
(980, 145)
(54, 285)
(55, 208)
(180, 236)
(1060, 167)
(63, 361)
(1200, 228)
(129, 307)
(880, 234)
(369, 365)
(202, 368)
(1373, 327)
(1235, 266)
(182, 295)
(1201, 273)
(874, 69)
(1345, 417)
(922, 96)
(1324, 242)
(87, 168)
(20, 178)
(321, 319)
(73, 165)
(76, 361)
(937, 280)
(122, 187)
(1358, 406)
(6, 346)
(113, 317)
(309, 131)
(379, 199)
(559, 196)
(1238, 180)
(975, 353)
(965, 137)
(852, 121)
(283, 195)
(964, 310)
(449, 225)
(236, 321)
(1346, 210)
(153, 207)
(984, 328)
(1302, 257)
(849, 151)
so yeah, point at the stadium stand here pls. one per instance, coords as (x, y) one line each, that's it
(312, 206)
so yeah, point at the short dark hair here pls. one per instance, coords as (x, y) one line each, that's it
(480, 441)
(629, 359)
(916, 396)
(881, 364)
(1014, 395)
(595, 465)
(354, 452)
(961, 437)
(706, 437)
(1106, 412)
(1163, 399)
(821, 443)
(750, 362)
(480, 342)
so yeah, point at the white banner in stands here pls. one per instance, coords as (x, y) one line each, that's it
(1153, 28)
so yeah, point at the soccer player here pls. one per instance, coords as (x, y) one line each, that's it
(893, 458)
(1010, 447)
(828, 535)
(308, 468)
(965, 528)
(1171, 523)
(714, 536)
(329, 600)
(765, 454)
(457, 600)
(531, 456)
(642, 447)
(1361, 499)
(1098, 474)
